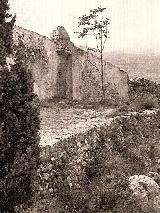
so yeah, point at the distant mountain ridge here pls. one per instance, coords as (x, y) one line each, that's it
(137, 65)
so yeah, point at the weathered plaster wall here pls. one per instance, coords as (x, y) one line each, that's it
(61, 69)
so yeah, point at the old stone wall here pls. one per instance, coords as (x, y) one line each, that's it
(60, 69)
(42, 60)
(115, 80)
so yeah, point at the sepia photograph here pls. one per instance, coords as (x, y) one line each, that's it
(80, 106)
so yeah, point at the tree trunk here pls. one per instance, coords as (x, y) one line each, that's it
(102, 71)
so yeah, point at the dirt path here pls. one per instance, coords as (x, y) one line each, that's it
(59, 123)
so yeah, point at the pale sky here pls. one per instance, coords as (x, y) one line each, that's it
(135, 24)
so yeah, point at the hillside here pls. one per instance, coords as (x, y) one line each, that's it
(147, 66)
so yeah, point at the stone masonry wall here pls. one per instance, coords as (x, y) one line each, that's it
(60, 69)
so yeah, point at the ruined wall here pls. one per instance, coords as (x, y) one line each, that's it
(60, 69)
(64, 82)
(87, 81)
(78, 63)
(117, 78)
(42, 60)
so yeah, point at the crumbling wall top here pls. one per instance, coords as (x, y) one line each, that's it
(62, 40)
(61, 33)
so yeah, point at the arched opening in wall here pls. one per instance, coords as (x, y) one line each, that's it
(64, 76)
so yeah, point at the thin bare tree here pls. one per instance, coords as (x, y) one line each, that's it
(96, 24)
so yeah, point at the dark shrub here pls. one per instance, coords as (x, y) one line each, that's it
(145, 102)
(19, 123)
(144, 94)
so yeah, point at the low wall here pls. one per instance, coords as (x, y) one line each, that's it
(89, 172)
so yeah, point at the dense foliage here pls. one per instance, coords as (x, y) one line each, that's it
(19, 121)
(142, 85)
(89, 172)
(144, 94)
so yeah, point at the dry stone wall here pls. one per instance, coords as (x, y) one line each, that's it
(60, 69)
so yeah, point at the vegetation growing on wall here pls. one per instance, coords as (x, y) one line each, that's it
(19, 121)
(31, 52)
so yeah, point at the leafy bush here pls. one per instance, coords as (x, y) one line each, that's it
(145, 102)
(140, 103)
(143, 86)
(144, 94)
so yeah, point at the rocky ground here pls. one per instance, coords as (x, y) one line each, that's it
(59, 121)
